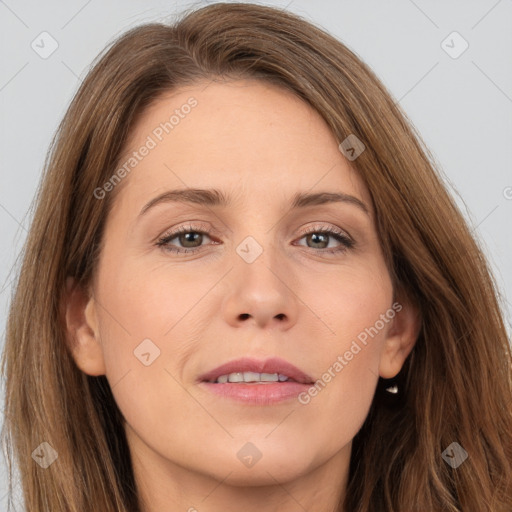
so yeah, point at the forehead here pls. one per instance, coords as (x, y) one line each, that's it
(252, 139)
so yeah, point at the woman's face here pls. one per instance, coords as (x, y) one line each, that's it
(278, 259)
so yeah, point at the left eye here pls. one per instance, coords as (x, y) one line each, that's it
(322, 236)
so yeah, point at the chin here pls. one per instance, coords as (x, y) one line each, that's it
(263, 474)
(273, 463)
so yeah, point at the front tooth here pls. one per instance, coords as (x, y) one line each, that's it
(251, 377)
(269, 377)
(236, 377)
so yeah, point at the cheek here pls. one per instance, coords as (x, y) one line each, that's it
(350, 303)
(143, 342)
(357, 310)
(152, 301)
(141, 311)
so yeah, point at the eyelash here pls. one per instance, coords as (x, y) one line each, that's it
(345, 241)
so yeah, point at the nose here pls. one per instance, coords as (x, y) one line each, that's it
(261, 293)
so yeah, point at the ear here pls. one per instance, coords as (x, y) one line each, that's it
(82, 332)
(400, 339)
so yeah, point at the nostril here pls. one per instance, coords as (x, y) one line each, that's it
(244, 316)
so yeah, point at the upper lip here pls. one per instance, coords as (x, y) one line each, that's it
(247, 364)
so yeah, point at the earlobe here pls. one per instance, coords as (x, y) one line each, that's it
(400, 340)
(82, 330)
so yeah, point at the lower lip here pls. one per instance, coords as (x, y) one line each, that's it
(258, 394)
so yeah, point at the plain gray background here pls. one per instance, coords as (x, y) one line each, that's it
(460, 102)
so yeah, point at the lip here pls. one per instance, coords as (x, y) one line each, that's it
(255, 393)
(247, 364)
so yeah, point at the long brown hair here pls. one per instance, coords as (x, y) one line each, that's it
(455, 386)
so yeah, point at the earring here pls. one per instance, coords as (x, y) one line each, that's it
(392, 389)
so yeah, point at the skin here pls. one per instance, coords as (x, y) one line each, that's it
(260, 145)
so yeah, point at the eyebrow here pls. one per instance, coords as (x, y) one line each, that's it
(214, 197)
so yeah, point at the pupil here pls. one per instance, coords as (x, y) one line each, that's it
(317, 236)
(189, 237)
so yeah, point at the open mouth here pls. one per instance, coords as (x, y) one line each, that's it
(251, 378)
(247, 370)
(255, 382)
